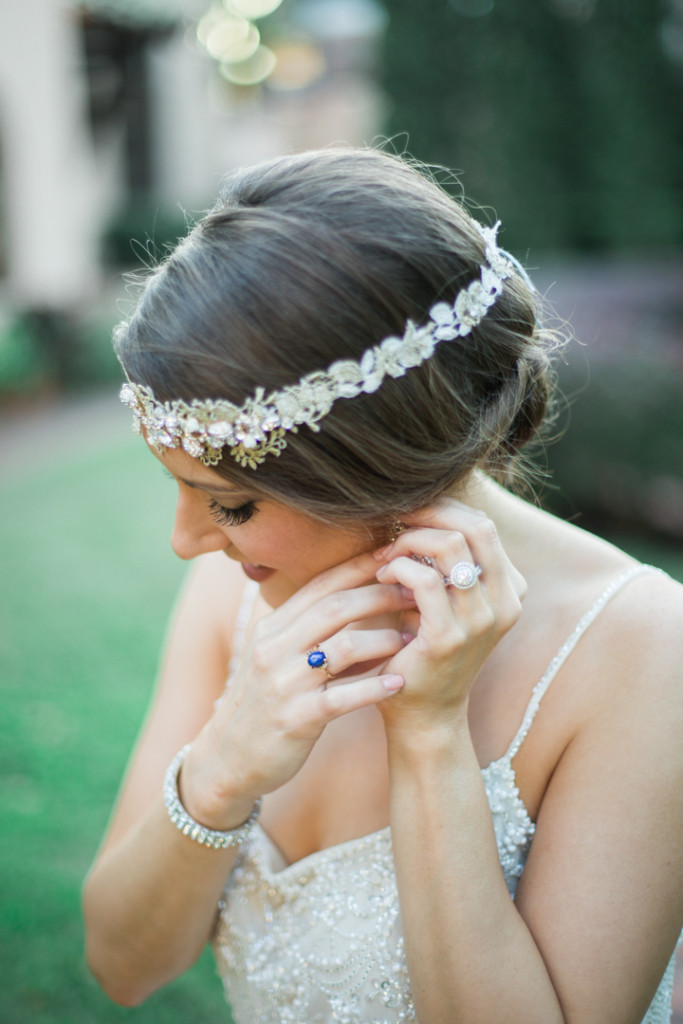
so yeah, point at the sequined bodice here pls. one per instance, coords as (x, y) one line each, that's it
(319, 941)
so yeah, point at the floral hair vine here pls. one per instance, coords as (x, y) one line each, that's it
(204, 427)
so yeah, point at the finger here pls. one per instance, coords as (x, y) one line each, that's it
(431, 597)
(351, 648)
(339, 700)
(441, 512)
(332, 613)
(443, 547)
(354, 573)
(481, 538)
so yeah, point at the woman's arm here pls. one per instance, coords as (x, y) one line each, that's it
(600, 903)
(150, 898)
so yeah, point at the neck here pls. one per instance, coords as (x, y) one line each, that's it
(516, 520)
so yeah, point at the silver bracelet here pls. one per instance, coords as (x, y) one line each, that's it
(187, 824)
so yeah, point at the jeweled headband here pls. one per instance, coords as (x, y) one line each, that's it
(204, 427)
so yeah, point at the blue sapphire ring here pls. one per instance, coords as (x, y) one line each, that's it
(317, 659)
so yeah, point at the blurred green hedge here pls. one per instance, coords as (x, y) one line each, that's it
(142, 231)
(565, 114)
(46, 350)
(618, 462)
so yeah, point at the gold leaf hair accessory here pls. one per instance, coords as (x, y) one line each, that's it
(258, 428)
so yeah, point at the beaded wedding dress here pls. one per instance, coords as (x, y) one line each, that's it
(319, 941)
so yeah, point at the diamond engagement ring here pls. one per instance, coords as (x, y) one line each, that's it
(463, 575)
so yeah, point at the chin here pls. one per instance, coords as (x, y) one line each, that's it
(278, 588)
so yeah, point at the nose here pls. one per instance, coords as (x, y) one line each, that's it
(194, 531)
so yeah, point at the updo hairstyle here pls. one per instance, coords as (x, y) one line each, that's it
(312, 258)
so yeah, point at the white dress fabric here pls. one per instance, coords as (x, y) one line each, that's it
(319, 941)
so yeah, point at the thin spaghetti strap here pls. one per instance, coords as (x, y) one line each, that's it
(567, 647)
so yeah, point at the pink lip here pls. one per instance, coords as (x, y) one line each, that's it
(258, 573)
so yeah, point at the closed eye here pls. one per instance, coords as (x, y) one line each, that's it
(232, 516)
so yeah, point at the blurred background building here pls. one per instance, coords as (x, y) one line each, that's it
(117, 120)
(119, 117)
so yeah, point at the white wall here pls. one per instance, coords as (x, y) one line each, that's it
(59, 190)
(52, 194)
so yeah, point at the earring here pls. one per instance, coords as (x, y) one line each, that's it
(396, 529)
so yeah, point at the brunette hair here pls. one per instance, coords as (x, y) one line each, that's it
(311, 258)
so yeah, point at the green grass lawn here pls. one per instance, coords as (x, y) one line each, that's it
(88, 579)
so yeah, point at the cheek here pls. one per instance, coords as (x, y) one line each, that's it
(270, 541)
(299, 548)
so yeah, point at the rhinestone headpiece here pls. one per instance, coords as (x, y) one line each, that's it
(204, 427)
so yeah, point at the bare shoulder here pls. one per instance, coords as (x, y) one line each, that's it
(637, 641)
(642, 616)
(603, 882)
(627, 673)
(628, 664)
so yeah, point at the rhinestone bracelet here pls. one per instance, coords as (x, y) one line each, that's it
(187, 824)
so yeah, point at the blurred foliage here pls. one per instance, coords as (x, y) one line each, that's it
(564, 113)
(619, 457)
(45, 350)
(24, 365)
(83, 604)
(52, 348)
(142, 232)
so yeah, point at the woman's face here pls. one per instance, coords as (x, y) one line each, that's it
(278, 546)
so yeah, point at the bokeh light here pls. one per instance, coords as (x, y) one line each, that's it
(228, 35)
(253, 8)
(253, 70)
(298, 65)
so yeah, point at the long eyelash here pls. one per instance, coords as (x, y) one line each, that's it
(232, 516)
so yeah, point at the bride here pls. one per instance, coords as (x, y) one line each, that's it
(444, 781)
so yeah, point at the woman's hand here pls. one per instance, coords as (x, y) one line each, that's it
(454, 629)
(277, 705)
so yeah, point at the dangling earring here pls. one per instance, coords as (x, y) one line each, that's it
(396, 529)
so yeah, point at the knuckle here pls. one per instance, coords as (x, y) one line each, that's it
(486, 530)
(483, 619)
(344, 646)
(521, 587)
(446, 642)
(319, 585)
(330, 702)
(511, 612)
(291, 722)
(279, 687)
(391, 640)
(333, 605)
(442, 550)
(260, 659)
(281, 720)
(433, 582)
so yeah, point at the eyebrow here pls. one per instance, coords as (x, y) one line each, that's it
(201, 486)
(209, 487)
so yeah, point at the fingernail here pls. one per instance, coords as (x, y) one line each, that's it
(392, 682)
(407, 637)
(407, 594)
(381, 552)
(381, 571)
